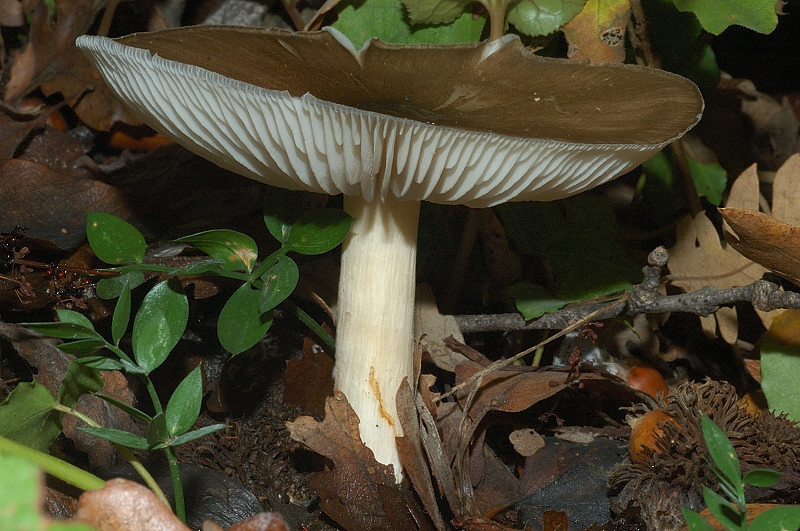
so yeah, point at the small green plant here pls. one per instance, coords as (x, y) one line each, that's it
(730, 508)
(32, 416)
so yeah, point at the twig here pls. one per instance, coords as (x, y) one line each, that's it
(643, 298)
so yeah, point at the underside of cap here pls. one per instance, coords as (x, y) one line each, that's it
(447, 124)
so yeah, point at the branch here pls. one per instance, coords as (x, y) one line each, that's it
(643, 298)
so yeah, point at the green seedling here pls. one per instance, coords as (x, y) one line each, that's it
(730, 507)
(32, 416)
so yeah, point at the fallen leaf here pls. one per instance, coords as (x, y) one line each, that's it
(358, 493)
(309, 379)
(765, 240)
(123, 505)
(699, 258)
(597, 33)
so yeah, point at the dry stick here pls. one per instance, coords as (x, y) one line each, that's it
(640, 36)
(291, 9)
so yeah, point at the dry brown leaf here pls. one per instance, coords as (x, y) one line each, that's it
(699, 259)
(123, 505)
(765, 240)
(597, 33)
(359, 493)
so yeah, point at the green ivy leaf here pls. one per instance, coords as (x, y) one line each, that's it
(786, 518)
(183, 407)
(761, 477)
(387, 20)
(241, 324)
(238, 251)
(695, 521)
(318, 231)
(279, 282)
(79, 379)
(27, 416)
(722, 452)
(111, 287)
(542, 17)
(717, 15)
(126, 439)
(113, 240)
(159, 324)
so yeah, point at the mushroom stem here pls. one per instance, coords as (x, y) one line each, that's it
(375, 312)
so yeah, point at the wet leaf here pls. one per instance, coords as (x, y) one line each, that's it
(597, 33)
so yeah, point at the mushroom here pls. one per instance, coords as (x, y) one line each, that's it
(390, 126)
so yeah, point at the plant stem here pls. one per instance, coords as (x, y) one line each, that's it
(124, 452)
(54, 466)
(177, 486)
(309, 321)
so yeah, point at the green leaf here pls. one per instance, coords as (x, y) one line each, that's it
(184, 404)
(786, 518)
(159, 323)
(157, 431)
(717, 15)
(111, 287)
(77, 318)
(192, 435)
(197, 268)
(79, 379)
(241, 324)
(113, 240)
(122, 313)
(387, 20)
(279, 282)
(101, 363)
(20, 498)
(722, 510)
(27, 416)
(130, 410)
(435, 12)
(533, 301)
(82, 347)
(761, 477)
(563, 234)
(281, 210)
(238, 251)
(780, 376)
(542, 17)
(63, 330)
(695, 522)
(710, 180)
(318, 231)
(722, 452)
(126, 439)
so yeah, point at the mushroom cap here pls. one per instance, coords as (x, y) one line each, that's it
(473, 124)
